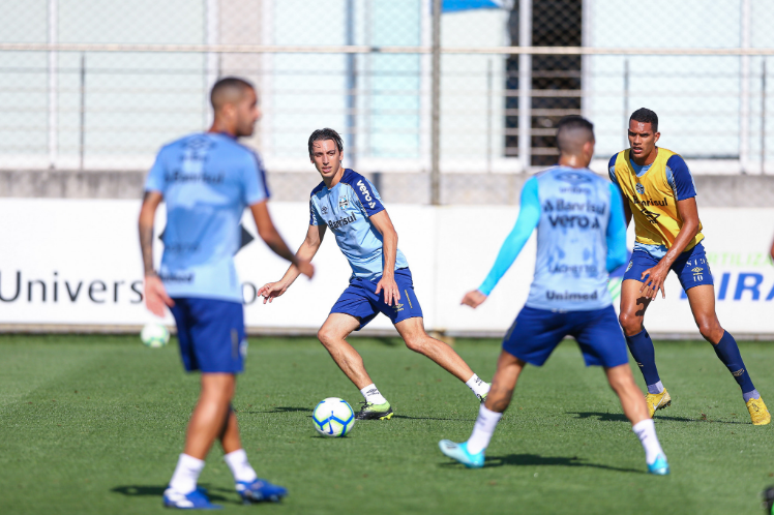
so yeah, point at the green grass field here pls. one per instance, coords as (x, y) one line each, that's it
(93, 425)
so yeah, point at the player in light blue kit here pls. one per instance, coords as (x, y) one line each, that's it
(581, 237)
(348, 204)
(207, 180)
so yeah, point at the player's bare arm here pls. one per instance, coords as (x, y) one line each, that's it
(305, 253)
(381, 221)
(689, 214)
(269, 234)
(155, 295)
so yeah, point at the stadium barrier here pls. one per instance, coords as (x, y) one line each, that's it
(75, 264)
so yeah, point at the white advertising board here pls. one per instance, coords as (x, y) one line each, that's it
(78, 262)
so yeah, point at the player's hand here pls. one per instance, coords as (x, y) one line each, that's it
(654, 282)
(156, 295)
(474, 299)
(306, 268)
(271, 291)
(390, 287)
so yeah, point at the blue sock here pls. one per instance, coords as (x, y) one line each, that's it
(641, 347)
(728, 352)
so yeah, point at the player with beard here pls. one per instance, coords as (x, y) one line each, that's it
(659, 193)
(207, 180)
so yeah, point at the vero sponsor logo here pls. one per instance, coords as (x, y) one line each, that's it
(366, 194)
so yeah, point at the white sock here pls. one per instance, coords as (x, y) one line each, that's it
(240, 467)
(478, 386)
(646, 432)
(186, 474)
(371, 394)
(483, 430)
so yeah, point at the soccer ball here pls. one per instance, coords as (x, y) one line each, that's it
(154, 335)
(333, 417)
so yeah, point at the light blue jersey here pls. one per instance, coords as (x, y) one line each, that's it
(207, 181)
(345, 209)
(581, 237)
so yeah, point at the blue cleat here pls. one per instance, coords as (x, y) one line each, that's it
(660, 467)
(260, 490)
(459, 452)
(196, 500)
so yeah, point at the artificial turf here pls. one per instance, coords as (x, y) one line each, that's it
(94, 425)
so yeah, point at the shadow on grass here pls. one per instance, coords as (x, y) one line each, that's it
(158, 491)
(620, 417)
(435, 418)
(531, 460)
(281, 409)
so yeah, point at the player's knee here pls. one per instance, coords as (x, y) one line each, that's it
(708, 327)
(631, 324)
(325, 335)
(416, 343)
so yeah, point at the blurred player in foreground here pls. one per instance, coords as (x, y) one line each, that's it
(381, 280)
(659, 193)
(580, 238)
(207, 180)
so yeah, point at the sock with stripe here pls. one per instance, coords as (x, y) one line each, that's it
(728, 352)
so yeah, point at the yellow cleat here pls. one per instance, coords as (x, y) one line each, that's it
(657, 401)
(759, 414)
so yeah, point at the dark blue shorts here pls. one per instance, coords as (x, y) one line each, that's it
(691, 267)
(361, 301)
(536, 332)
(211, 334)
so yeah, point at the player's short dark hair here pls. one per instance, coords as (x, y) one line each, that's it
(645, 115)
(572, 133)
(325, 134)
(226, 83)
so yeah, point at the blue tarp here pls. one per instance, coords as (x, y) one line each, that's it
(464, 5)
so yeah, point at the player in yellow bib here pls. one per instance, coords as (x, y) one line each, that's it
(659, 193)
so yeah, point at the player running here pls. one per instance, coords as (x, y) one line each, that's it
(207, 180)
(580, 238)
(381, 280)
(659, 193)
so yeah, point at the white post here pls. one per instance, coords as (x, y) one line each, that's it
(267, 67)
(212, 24)
(744, 91)
(53, 79)
(425, 66)
(525, 85)
(587, 61)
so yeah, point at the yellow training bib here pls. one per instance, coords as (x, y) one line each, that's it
(652, 201)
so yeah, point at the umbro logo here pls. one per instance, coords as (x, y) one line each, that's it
(697, 270)
(652, 217)
(324, 210)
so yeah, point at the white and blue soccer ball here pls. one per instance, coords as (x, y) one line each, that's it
(333, 417)
(154, 335)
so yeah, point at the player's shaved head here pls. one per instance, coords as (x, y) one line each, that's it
(572, 133)
(228, 90)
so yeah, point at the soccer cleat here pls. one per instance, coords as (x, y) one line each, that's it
(660, 467)
(657, 401)
(196, 500)
(759, 414)
(459, 452)
(482, 398)
(260, 490)
(768, 500)
(371, 411)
